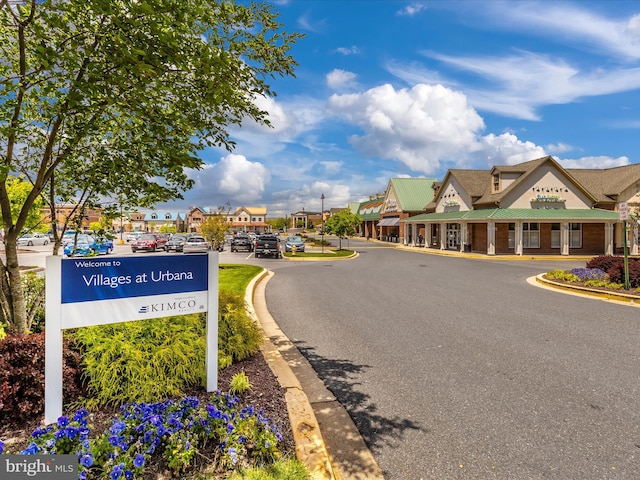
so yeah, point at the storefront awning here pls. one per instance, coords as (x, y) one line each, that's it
(389, 222)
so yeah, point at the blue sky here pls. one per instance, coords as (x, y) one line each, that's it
(397, 88)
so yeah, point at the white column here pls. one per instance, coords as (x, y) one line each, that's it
(518, 239)
(443, 236)
(608, 238)
(633, 245)
(564, 238)
(491, 238)
(463, 236)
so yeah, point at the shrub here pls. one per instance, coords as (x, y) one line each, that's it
(616, 273)
(141, 361)
(22, 376)
(239, 384)
(33, 285)
(604, 262)
(239, 336)
(563, 275)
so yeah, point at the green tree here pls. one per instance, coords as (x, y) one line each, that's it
(115, 96)
(343, 224)
(214, 228)
(18, 191)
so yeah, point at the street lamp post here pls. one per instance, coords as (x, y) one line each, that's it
(322, 220)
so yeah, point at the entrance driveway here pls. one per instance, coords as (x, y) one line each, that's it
(458, 368)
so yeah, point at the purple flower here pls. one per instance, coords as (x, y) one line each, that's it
(86, 460)
(139, 460)
(1, 446)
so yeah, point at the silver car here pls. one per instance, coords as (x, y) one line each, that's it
(30, 239)
(294, 242)
(195, 244)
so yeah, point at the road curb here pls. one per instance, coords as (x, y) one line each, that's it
(310, 446)
(327, 440)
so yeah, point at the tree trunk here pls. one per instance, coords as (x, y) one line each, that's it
(13, 301)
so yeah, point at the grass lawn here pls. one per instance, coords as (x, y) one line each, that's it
(235, 278)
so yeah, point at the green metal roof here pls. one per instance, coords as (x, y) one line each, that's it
(413, 194)
(580, 214)
(373, 206)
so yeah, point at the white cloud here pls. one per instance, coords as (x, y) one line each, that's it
(413, 9)
(420, 127)
(331, 167)
(507, 149)
(352, 50)
(233, 177)
(594, 162)
(308, 196)
(558, 148)
(339, 79)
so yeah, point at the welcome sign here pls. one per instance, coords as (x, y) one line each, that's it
(102, 290)
(82, 292)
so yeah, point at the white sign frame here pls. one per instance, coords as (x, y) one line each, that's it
(111, 312)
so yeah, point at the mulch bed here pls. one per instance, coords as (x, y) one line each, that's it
(265, 393)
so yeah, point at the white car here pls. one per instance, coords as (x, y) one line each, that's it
(133, 236)
(30, 239)
(195, 244)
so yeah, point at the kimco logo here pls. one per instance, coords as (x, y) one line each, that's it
(177, 306)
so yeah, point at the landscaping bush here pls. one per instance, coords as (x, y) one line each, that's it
(144, 360)
(22, 376)
(605, 262)
(616, 273)
(33, 285)
(239, 336)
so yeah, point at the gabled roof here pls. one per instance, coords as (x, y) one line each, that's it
(252, 210)
(525, 169)
(607, 184)
(412, 194)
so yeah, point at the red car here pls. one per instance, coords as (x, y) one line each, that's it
(149, 242)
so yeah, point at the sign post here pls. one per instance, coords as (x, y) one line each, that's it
(623, 210)
(82, 292)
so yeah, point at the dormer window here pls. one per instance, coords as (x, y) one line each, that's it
(167, 216)
(154, 216)
(496, 182)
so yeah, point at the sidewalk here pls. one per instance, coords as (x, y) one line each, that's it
(327, 440)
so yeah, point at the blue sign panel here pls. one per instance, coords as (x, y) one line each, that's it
(109, 278)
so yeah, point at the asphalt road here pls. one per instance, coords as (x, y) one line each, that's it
(459, 369)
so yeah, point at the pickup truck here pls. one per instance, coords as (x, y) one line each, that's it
(241, 242)
(267, 245)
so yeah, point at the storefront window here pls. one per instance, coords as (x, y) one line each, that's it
(575, 235)
(555, 235)
(531, 235)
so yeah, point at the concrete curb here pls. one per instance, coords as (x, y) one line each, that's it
(624, 298)
(339, 454)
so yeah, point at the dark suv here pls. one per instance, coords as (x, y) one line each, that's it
(176, 242)
(241, 242)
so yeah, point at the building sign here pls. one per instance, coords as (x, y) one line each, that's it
(82, 292)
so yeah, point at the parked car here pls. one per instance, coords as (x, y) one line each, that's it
(30, 239)
(176, 242)
(294, 242)
(196, 244)
(267, 245)
(241, 242)
(134, 236)
(149, 242)
(87, 245)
